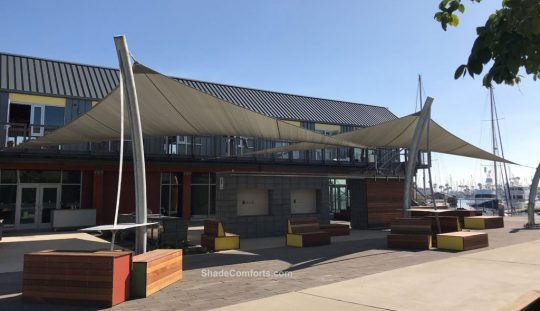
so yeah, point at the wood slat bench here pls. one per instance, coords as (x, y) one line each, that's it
(448, 224)
(89, 278)
(484, 222)
(410, 233)
(155, 270)
(302, 232)
(461, 214)
(336, 229)
(215, 238)
(462, 241)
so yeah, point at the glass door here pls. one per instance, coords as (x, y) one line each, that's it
(35, 203)
(37, 120)
(27, 206)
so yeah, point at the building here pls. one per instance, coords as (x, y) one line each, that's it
(189, 177)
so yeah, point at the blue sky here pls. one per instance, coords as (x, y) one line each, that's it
(363, 51)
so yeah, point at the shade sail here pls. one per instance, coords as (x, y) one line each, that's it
(398, 133)
(170, 108)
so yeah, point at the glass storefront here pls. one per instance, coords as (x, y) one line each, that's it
(27, 197)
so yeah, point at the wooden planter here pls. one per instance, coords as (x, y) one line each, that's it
(155, 270)
(77, 277)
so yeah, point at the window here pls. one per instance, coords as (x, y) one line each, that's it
(71, 190)
(203, 194)
(171, 194)
(54, 116)
(8, 196)
(35, 176)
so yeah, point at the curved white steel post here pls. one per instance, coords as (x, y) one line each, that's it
(136, 139)
(413, 153)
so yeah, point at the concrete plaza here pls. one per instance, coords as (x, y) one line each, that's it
(355, 272)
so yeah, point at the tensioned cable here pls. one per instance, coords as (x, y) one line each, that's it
(121, 162)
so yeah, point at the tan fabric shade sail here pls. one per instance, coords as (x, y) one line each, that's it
(170, 108)
(398, 133)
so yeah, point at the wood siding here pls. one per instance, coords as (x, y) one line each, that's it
(384, 201)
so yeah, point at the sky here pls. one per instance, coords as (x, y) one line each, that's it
(361, 51)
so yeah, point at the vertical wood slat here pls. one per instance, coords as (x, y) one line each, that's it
(90, 278)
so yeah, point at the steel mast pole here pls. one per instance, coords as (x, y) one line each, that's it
(413, 152)
(137, 141)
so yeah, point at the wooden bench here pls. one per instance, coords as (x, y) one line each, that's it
(155, 270)
(484, 222)
(461, 214)
(462, 241)
(302, 232)
(410, 233)
(76, 277)
(336, 229)
(447, 224)
(215, 238)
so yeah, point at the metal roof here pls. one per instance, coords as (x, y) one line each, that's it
(40, 76)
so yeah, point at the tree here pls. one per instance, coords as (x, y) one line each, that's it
(510, 39)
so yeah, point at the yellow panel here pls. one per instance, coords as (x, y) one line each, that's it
(295, 123)
(475, 223)
(34, 99)
(226, 242)
(220, 231)
(327, 127)
(450, 242)
(289, 227)
(294, 240)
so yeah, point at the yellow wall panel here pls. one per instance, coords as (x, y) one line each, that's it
(34, 99)
(327, 127)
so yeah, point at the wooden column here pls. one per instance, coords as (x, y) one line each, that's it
(97, 195)
(186, 196)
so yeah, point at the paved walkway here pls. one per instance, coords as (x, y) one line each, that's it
(488, 280)
(362, 255)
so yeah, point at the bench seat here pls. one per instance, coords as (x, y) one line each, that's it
(484, 222)
(303, 232)
(215, 238)
(409, 241)
(336, 229)
(155, 270)
(462, 241)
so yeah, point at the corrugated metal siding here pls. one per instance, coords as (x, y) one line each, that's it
(49, 77)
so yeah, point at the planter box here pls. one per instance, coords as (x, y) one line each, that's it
(155, 270)
(77, 277)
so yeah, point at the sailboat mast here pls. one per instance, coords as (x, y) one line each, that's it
(494, 143)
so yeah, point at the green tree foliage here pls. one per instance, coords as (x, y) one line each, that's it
(510, 39)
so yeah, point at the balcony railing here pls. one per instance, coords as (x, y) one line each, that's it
(210, 148)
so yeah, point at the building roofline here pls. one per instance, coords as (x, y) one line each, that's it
(57, 61)
(201, 81)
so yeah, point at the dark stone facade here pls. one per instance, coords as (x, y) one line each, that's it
(279, 187)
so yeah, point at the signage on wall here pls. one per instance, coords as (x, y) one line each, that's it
(221, 183)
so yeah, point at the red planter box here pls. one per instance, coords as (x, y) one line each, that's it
(88, 278)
